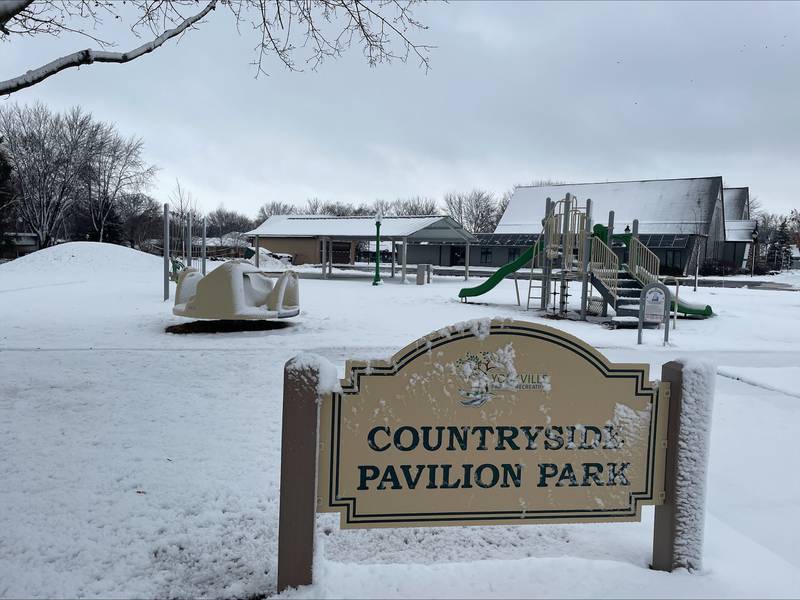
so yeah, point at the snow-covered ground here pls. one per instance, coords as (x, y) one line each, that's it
(139, 463)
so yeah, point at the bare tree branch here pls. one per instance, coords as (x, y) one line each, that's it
(88, 56)
(10, 9)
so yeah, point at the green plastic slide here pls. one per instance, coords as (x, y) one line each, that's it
(499, 275)
(692, 309)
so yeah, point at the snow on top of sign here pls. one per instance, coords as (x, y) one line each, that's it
(328, 377)
(684, 206)
(699, 379)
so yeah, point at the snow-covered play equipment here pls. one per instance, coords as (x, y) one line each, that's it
(237, 290)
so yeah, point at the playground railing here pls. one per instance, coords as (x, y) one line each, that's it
(605, 266)
(642, 262)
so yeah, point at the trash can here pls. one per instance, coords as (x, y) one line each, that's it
(422, 272)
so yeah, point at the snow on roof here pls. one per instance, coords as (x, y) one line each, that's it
(684, 206)
(441, 228)
(740, 230)
(736, 202)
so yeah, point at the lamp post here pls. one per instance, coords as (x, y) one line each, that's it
(377, 279)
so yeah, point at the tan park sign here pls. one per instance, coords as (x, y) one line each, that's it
(484, 423)
(517, 423)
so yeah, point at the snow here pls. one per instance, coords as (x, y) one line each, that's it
(692, 462)
(356, 227)
(137, 463)
(680, 206)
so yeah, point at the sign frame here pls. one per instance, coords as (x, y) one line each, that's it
(667, 303)
(303, 401)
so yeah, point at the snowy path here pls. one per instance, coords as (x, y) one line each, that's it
(137, 463)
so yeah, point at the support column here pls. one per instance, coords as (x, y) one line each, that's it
(189, 241)
(566, 261)
(393, 257)
(298, 487)
(587, 256)
(546, 263)
(258, 252)
(203, 249)
(405, 259)
(610, 227)
(166, 251)
(466, 262)
(635, 232)
(324, 260)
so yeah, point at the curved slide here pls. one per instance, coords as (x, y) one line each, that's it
(498, 275)
(692, 309)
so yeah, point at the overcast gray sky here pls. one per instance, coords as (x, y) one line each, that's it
(516, 92)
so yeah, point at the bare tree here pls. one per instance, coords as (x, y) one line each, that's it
(313, 206)
(223, 221)
(115, 167)
(275, 207)
(415, 206)
(476, 210)
(48, 154)
(6, 188)
(141, 219)
(313, 29)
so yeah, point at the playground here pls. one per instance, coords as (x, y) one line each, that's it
(142, 463)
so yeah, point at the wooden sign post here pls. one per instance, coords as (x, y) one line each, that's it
(495, 422)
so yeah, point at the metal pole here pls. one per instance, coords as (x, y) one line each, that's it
(587, 251)
(466, 262)
(566, 261)
(548, 212)
(166, 251)
(203, 248)
(610, 228)
(258, 251)
(377, 279)
(405, 258)
(324, 255)
(394, 261)
(189, 242)
(675, 312)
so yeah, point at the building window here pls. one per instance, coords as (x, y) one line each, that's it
(513, 254)
(486, 256)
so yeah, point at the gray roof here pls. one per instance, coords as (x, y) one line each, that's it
(740, 230)
(737, 203)
(423, 228)
(666, 206)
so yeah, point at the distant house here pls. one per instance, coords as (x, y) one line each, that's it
(312, 238)
(739, 227)
(16, 244)
(680, 220)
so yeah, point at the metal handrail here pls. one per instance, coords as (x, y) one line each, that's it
(642, 262)
(604, 264)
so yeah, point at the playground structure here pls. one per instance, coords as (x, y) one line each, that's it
(236, 290)
(568, 249)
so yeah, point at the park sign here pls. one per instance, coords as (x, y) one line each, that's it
(497, 422)
(481, 423)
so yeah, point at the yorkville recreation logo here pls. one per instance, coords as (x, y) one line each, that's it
(489, 373)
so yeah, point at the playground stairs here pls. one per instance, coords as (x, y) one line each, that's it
(627, 299)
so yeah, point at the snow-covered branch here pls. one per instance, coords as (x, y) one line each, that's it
(88, 56)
